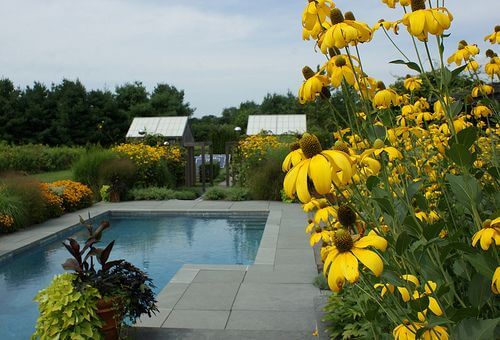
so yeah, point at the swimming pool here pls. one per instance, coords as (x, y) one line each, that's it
(157, 243)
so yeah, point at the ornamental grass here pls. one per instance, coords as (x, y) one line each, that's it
(404, 205)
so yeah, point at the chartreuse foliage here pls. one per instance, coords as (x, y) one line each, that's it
(68, 310)
(405, 204)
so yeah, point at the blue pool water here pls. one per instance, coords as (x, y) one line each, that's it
(159, 245)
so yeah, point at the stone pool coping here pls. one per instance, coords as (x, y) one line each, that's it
(273, 294)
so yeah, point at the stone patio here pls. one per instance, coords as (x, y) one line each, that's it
(271, 299)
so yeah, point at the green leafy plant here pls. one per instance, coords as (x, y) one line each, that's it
(229, 194)
(119, 174)
(86, 168)
(160, 194)
(104, 192)
(68, 310)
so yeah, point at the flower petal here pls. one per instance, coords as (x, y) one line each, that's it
(370, 259)
(319, 172)
(373, 240)
(349, 264)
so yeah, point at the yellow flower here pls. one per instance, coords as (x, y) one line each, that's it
(315, 13)
(379, 147)
(392, 3)
(493, 67)
(319, 235)
(489, 233)
(482, 89)
(403, 290)
(495, 282)
(386, 25)
(421, 21)
(342, 257)
(325, 214)
(472, 65)
(412, 83)
(494, 37)
(321, 166)
(314, 204)
(407, 331)
(293, 158)
(481, 111)
(385, 98)
(312, 86)
(464, 53)
(340, 70)
(343, 32)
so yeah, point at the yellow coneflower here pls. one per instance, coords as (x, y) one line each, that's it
(313, 86)
(343, 32)
(494, 37)
(340, 70)
(412, 83)
(488, 234)
(341, 262)
(314, 204)
(481, 111)
(421, 21)
(463, 53)
(392, 3)
(495, 282)
(387, 25)
(314, 15)
(493, 67)
(408, 330)
(482, 89)
(472, 65)
(321, 166)
(379, 147)
(385, 98)
(293, 158)
(403, 290)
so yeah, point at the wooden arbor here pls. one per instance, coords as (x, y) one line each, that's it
(191, 163)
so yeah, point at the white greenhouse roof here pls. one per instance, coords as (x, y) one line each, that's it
(165, 126)
(276, 124)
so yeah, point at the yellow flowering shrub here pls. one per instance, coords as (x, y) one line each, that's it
(151, 162)
(54, 202)
(74, 195)
(257, 145)
(6, 223)
(404, 206)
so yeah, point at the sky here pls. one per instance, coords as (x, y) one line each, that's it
(220, 52)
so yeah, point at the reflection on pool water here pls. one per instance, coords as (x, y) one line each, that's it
(157, 244)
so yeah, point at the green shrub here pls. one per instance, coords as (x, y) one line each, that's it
(86, 169)
(37, 158)
(265, 180)
(12, 205)
(119, 174)
(160, 194)
(228, 194)
(215, 194)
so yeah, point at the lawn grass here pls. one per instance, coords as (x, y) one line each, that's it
(53, 176)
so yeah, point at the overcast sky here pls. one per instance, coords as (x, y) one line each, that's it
(220, 52)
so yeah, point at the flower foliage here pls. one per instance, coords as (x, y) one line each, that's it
(74, 195)
(408, 193)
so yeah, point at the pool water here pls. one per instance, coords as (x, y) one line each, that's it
(159, 245)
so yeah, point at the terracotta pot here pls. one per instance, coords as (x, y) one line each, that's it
(112, 322)
(114, 196)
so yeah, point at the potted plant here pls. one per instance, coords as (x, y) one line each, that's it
(94, 300)
(120, 175)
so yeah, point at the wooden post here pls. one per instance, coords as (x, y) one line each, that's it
(202, 170)
(211, 170)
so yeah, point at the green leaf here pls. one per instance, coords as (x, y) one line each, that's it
(404, 240)
(372, 182)
(432, 230)
(385, 205)
(494, 171)
(410, 222)
(413, 188)
(460, 155)
(419, 305)
(466, 137)
(410, 64)
(466, 189)
(482, 263)
(457, 71)
(479, 290)
(455, 108)
(475, 329)
(447, 76)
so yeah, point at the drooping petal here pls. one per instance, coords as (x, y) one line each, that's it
(335, 278)
(372, 240)
(349, 264)
(289, 184)
(319, 172)
(405, 294)
(370, 259)
(332, 254)
(302, 187)
(434, 306)
(487, 238)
